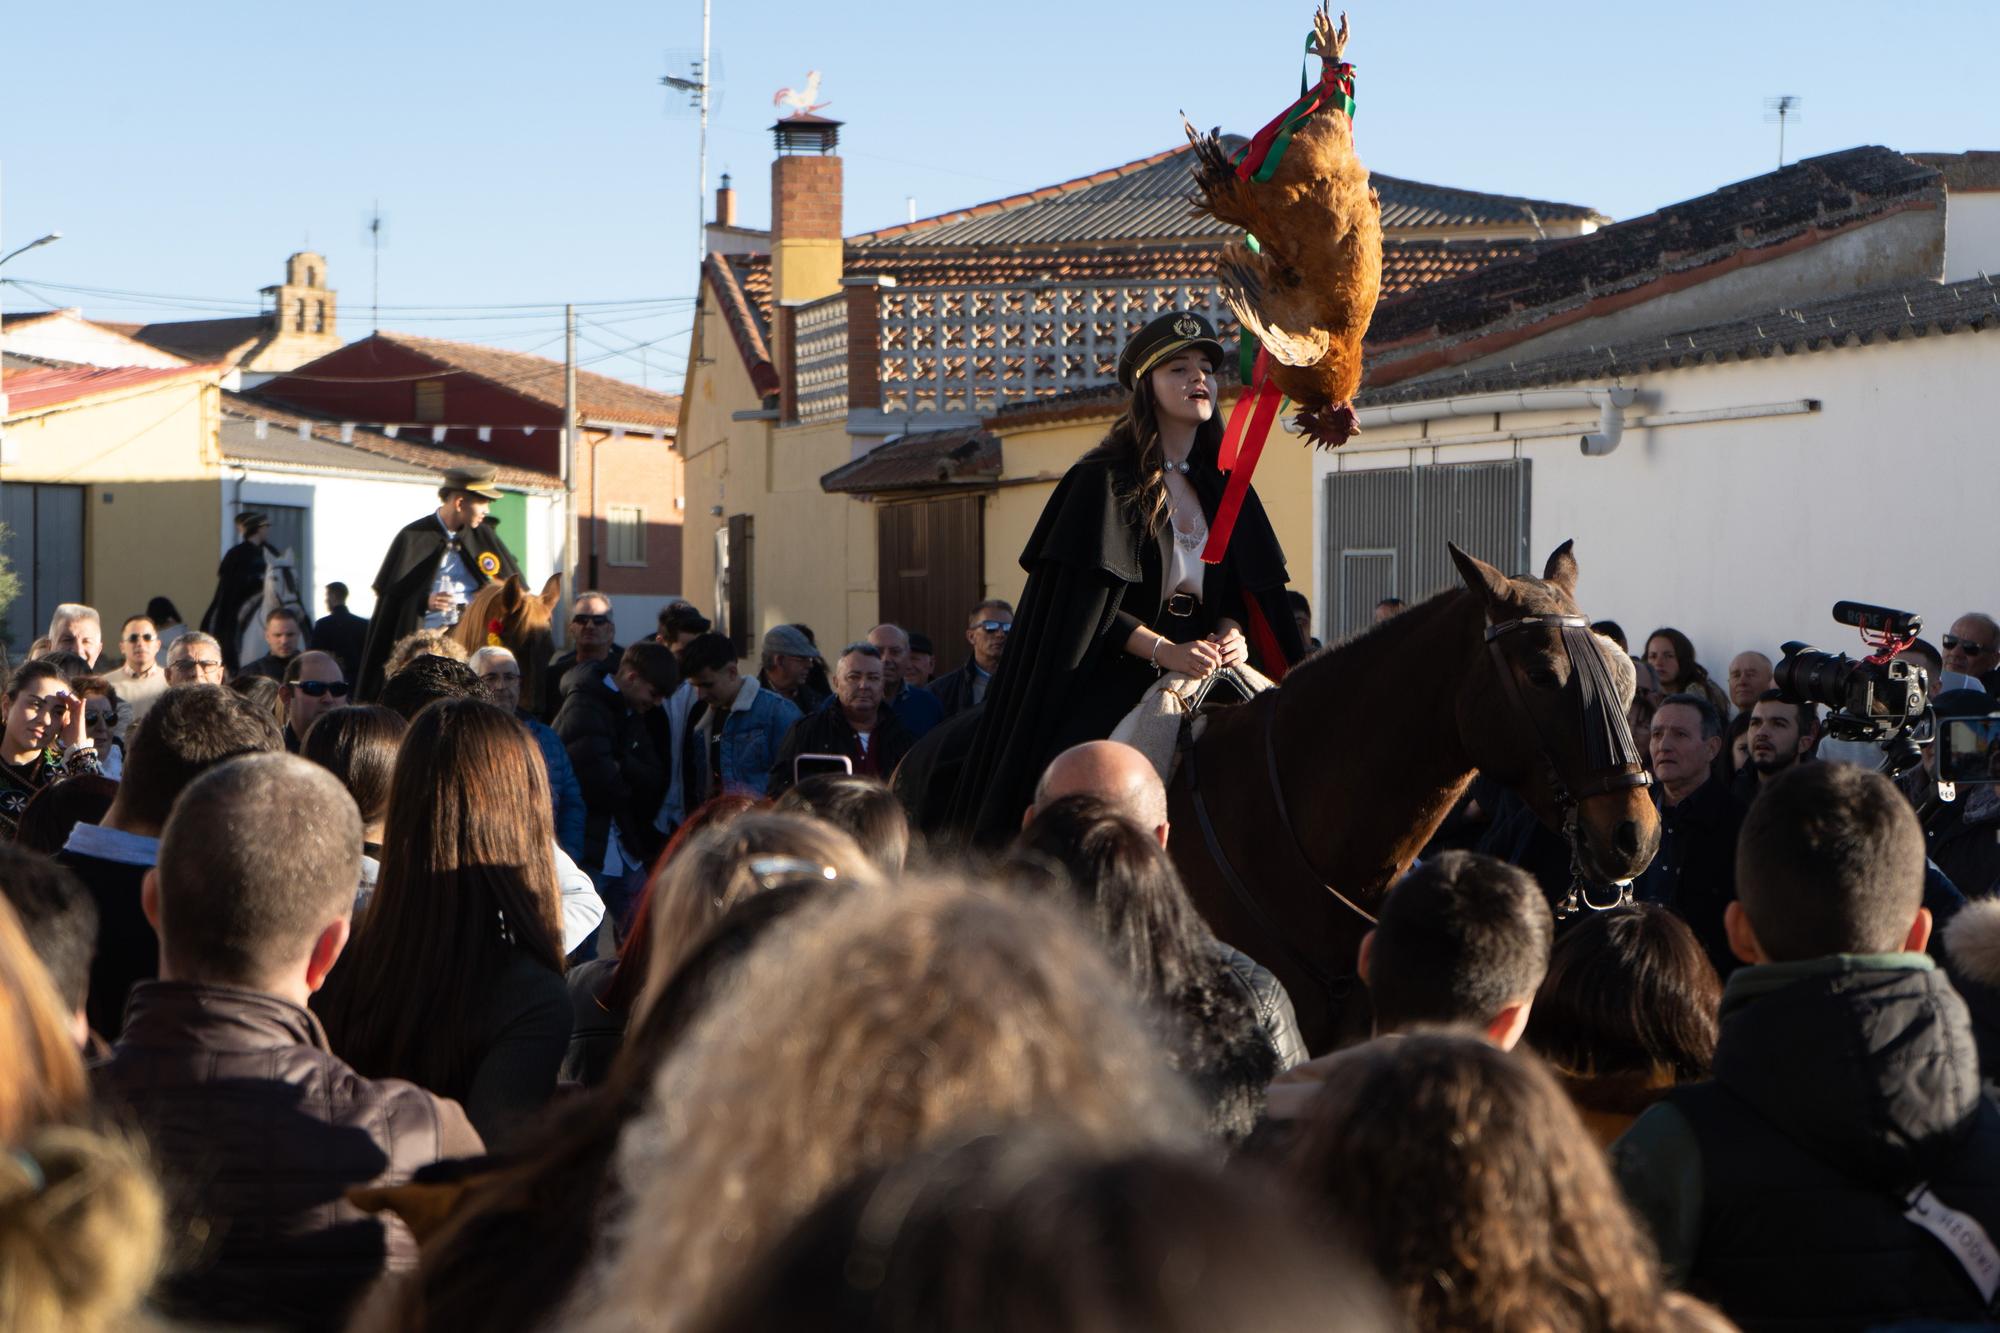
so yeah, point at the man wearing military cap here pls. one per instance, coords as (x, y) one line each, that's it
(434, 567)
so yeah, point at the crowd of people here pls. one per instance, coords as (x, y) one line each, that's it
(641, 1004)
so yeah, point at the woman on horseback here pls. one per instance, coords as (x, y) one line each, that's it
(1117, 590)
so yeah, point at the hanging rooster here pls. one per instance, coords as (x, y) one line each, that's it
(1305, 281)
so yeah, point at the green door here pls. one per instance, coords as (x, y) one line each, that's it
(509, 515)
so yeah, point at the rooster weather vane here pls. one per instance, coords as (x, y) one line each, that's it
(802, 100)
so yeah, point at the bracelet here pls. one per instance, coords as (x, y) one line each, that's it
(1153, 659)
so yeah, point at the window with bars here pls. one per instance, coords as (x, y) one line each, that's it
(625, 535)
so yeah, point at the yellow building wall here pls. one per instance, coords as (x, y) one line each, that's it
(814, 553)
(150, 462)
(1283, 481)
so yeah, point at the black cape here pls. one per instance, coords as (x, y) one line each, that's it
(404, 585)
(238, 578)
(1094, 574)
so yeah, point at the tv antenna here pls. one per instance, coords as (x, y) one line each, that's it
(698, 85)
(1781, 109)
(374, 227)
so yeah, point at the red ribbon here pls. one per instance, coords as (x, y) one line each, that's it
(1239, 454)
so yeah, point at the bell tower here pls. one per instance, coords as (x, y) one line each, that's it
(303, 317)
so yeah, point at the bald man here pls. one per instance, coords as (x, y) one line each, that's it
(1749, 677)
(1113, 772)
(1123, 778)
(915, 707)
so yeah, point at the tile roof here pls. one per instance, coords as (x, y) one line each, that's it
(281, 444)
(49, 386)
(201, 339)
(748, 316)
(1793, 206)
(1913, 310)
(920, 462)
(1973, 172)
(393, 453)
(1406, 266)
(1147, 199)
(599, 397)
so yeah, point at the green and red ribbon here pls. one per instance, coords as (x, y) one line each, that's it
(1258, 160)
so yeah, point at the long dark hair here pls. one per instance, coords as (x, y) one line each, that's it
(468, 877)
(357, 743)
(523, 1235)
(1125, 885)
(1134, 440)
(1692, 672)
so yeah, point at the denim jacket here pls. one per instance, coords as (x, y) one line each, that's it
(752, 731)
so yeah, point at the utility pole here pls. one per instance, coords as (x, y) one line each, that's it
(569, 588)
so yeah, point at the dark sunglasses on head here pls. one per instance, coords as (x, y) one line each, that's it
(1952, 641)
(580, 619)
(319, 689)
(995, 626)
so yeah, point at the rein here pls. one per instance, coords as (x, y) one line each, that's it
(1607, 739)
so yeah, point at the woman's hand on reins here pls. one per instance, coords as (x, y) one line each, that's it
(1234, 647)
(1196, 658)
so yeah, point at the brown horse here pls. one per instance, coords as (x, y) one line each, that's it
(1313, 799)
(520, 621)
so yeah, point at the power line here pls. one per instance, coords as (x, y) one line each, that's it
(517, 308)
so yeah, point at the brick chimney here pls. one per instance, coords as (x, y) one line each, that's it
(725, 203)
(805, 210)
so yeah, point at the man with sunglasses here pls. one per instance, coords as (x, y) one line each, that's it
(434, 567)
(1973, 649)
(195, 658)
(314, 684)
(593, 637)
(139, 679)
(986, 631)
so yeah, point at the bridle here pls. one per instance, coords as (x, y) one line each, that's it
(1611, 758)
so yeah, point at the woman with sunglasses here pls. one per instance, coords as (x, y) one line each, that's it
(1117, 588)
(43, 736)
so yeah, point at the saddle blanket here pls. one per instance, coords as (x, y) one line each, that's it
(1154, 727)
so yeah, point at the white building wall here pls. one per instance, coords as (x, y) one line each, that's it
(69, 338)
(1744, 533)
(1972, 235)
(354, 518)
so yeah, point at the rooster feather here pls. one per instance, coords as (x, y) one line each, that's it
(1309, 290)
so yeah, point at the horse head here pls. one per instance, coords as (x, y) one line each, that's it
(1546, 715)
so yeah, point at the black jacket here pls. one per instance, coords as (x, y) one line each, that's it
(622, 776)
(826, 731)
(403, 586)
(343, 634)
(1840, 1084)
(270, 666)
(127, 949)
(1694, 872)
(258, 1131)
(954, 690)
(1964, 838)
(1095, 574)
(239, 578)
(559, 667)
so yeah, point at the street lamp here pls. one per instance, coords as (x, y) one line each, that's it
(49, 239)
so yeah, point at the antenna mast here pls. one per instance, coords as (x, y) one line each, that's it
(375, 244)
(1785, 105)
(697, 85)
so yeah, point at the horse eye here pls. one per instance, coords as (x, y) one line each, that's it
(1544, 679)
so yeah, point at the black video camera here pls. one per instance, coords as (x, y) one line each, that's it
(1875, 699)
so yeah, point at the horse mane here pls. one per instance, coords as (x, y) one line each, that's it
(526, 615)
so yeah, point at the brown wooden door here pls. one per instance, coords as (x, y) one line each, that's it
(931, 571)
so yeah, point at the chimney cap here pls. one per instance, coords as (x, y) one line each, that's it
(804, 132)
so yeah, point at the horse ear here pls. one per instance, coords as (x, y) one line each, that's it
(552, 591)
(1496, 588)
(1561, 569)
(511, 592)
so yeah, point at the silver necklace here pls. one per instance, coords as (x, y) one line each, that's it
(1181, 467)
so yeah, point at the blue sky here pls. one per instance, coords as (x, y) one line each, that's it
(525, 153)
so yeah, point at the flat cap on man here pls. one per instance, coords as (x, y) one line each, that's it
(790, 641)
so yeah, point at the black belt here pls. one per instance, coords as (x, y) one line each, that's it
(1182, 604)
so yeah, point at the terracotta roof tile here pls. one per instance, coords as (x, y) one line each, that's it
(1913, 310)
(599, 397)
(920, 462)
(1790, 206)
(202, 339)
(747, 316)
(432, 458)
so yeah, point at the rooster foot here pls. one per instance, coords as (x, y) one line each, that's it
(1328, 42)
(1331, 426)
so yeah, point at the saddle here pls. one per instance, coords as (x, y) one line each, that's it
(1154, 727)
